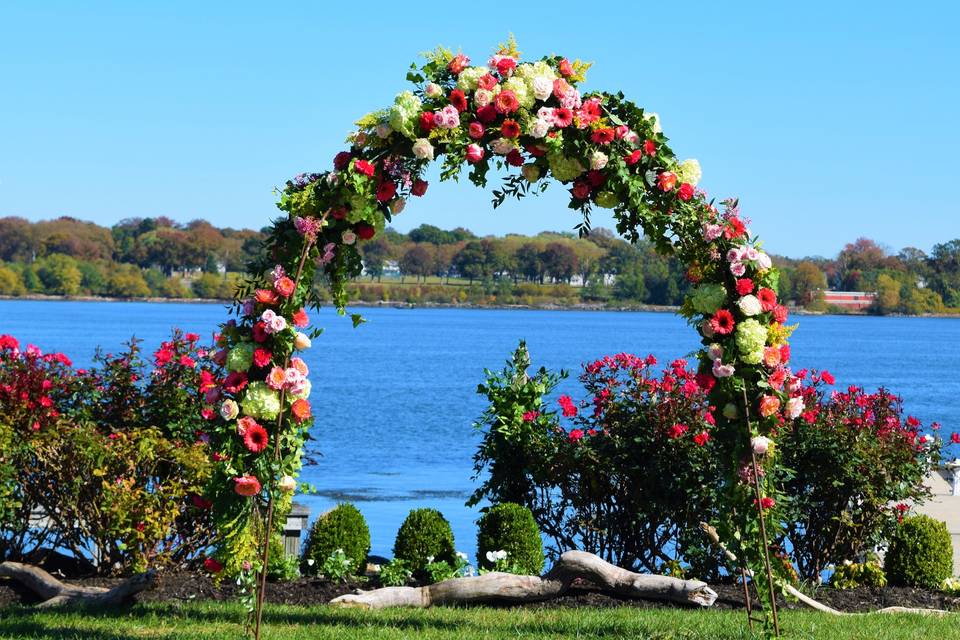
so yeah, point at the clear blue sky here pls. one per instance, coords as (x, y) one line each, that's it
(830, 120)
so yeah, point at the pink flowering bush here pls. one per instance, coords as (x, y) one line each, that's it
(854, 461)
(111, 457)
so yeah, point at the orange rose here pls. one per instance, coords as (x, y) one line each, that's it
(300, 410)
(769, 405)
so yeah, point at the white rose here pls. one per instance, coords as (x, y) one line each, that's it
(383, 130)
(763, 261)
(715, 351)
(531, 172)
(287, 484)
(598, 160)
(539, 128)
(229, 410)
(502, 146)
(750, 305)
(348, 237)
(542, 87)
(794, 407)
(422, 149)
(483, 97)
(760, 444)
(434, 90)
(301, 341)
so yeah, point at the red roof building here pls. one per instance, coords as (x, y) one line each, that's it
(854, 300)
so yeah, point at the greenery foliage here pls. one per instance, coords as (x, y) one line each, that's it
(395, 573)
(424, 537)
(510, 527)
(852, 575)
(342, 528)
(920, 553)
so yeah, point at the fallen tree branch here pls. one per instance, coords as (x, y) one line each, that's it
(54, 593)
(506, 587)
(714, 537)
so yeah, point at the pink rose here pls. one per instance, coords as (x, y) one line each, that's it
(474, 153)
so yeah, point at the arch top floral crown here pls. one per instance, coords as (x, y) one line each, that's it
(532, 120)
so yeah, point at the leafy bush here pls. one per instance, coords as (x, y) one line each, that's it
(440, 570)
(855, 457)
(120, 484)
(630, 471)
(510, 527)
(424, 537)
(281, 567)
(634, 473)
(920, 553)
(395, 573)
(851, 575)
(343, 528)
(338, 566)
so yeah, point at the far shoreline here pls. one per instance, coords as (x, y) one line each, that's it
(448, 305)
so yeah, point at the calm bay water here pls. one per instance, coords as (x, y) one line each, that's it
(395, 398)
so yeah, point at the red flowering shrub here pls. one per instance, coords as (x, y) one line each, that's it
(854, 460)
(629, 478)
(114, 457)
(636, 467)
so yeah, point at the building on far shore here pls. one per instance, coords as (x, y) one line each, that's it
(853, 300)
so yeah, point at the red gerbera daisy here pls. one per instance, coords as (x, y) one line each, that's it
(603, 136)
(510, 129)
(722, 322)
(255, 438)
(768, 299)
(562, 117)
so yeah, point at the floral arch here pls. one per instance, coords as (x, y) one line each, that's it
(531, 119)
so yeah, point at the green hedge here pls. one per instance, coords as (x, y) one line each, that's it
(423, 535)
(510, 527)
(920, 553)
(345, 528)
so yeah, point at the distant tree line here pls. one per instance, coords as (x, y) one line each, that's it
(140, 257)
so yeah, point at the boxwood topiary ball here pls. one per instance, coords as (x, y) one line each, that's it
(510, 527)
(423, 535)
(920, 553)
(344, 527)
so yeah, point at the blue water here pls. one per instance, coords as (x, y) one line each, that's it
(395, 398)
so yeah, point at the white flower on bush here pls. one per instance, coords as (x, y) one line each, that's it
(760, 444)
(462, 555)
(422, 149)
(348, 237)
(496, 556)
(287, 484)
(689, 171)
(763, 261)
(794, 407)
(750, 305)
(483, 97)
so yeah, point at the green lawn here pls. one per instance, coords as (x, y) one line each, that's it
(192, 621)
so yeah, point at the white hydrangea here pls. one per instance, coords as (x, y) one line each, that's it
(523, 92)
(469, 77)
(535, 69)
(689, 171)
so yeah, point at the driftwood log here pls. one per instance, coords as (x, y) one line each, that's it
(712, 535)
(505, 587)
(54, 593)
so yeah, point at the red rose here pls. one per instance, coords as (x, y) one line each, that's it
(426, 121)
(510, 129)
(685, 192)
(701, 438)
(580, 190)
(633, 158)
(506, 102)
(487, 114)
(780, 313)
(458, 64)
(536, 150)
(515, 158)
(363, 167)
(487, 82)
(212, 565)
(506, 65)
(386, 191)
(246, 485)
(476, 130)
(342, 160)
(667, 181)
(338, 213)
(365, 231)
(260, 332)
(285, 286)
(603, 136)
(650, 147)
(458, 100)
(419, 188)
(596, 178)
(744, 286)
(575, 435)
(566, 69)
(677, 430)
(262, 357)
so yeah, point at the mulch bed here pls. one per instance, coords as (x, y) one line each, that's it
(183, 587)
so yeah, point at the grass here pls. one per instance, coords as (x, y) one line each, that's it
(207, 621)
